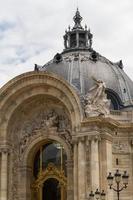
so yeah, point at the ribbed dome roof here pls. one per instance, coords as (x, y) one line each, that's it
(78, 64)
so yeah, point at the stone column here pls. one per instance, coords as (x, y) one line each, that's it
(86, 37)
(81, 170)
(4, 174)
(105, 164)
(94, 163)
(69, 41)
(25, 174)
(77, 39)
(75, 170)
(131, 165)
(69, 179)
(109, 165)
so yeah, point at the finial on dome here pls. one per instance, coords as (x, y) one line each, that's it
(77, 19)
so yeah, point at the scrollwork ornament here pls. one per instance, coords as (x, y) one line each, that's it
(50, 171)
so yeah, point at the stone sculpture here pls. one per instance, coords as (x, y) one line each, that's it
(96, 102)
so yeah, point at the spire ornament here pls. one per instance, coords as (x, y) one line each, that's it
(77, 19)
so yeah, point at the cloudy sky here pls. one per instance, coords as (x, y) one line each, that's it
(31, 31)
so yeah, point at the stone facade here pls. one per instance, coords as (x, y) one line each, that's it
(92, 144)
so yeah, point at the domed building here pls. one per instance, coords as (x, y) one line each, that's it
(66, 125)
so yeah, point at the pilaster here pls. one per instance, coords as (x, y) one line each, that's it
(75, 169)
(105, 164)
(95, 162)
(4, 173)
(70, 179)
(81, 169)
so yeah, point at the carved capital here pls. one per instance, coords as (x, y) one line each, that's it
(5, 150)
(75, 141)
(88, 139)
(81, 139)
(96, 138)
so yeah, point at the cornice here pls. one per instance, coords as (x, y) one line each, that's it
(102, 122)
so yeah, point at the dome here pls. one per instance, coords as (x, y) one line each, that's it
(79, 63)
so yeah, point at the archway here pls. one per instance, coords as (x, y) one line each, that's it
(50, 172)
(51, 189)
(29, 101)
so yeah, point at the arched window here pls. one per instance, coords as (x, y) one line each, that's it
(51, 152)
(116, 103)
(50, 172)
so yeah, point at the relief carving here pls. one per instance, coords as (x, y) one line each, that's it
(30, 122)
(81, 57)
(120, 146)
(45, 121)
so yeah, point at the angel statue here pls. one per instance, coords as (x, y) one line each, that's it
(96, 102)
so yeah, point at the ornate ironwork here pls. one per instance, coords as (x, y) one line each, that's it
(50, 172)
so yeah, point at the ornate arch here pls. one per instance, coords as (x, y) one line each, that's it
(28, 155)
(30, 84)
(27, 159)
(50, 172)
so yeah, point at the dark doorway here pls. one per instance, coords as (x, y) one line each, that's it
(51, 190)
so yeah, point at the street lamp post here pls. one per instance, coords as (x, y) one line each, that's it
(97, 195)
(118, 177)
